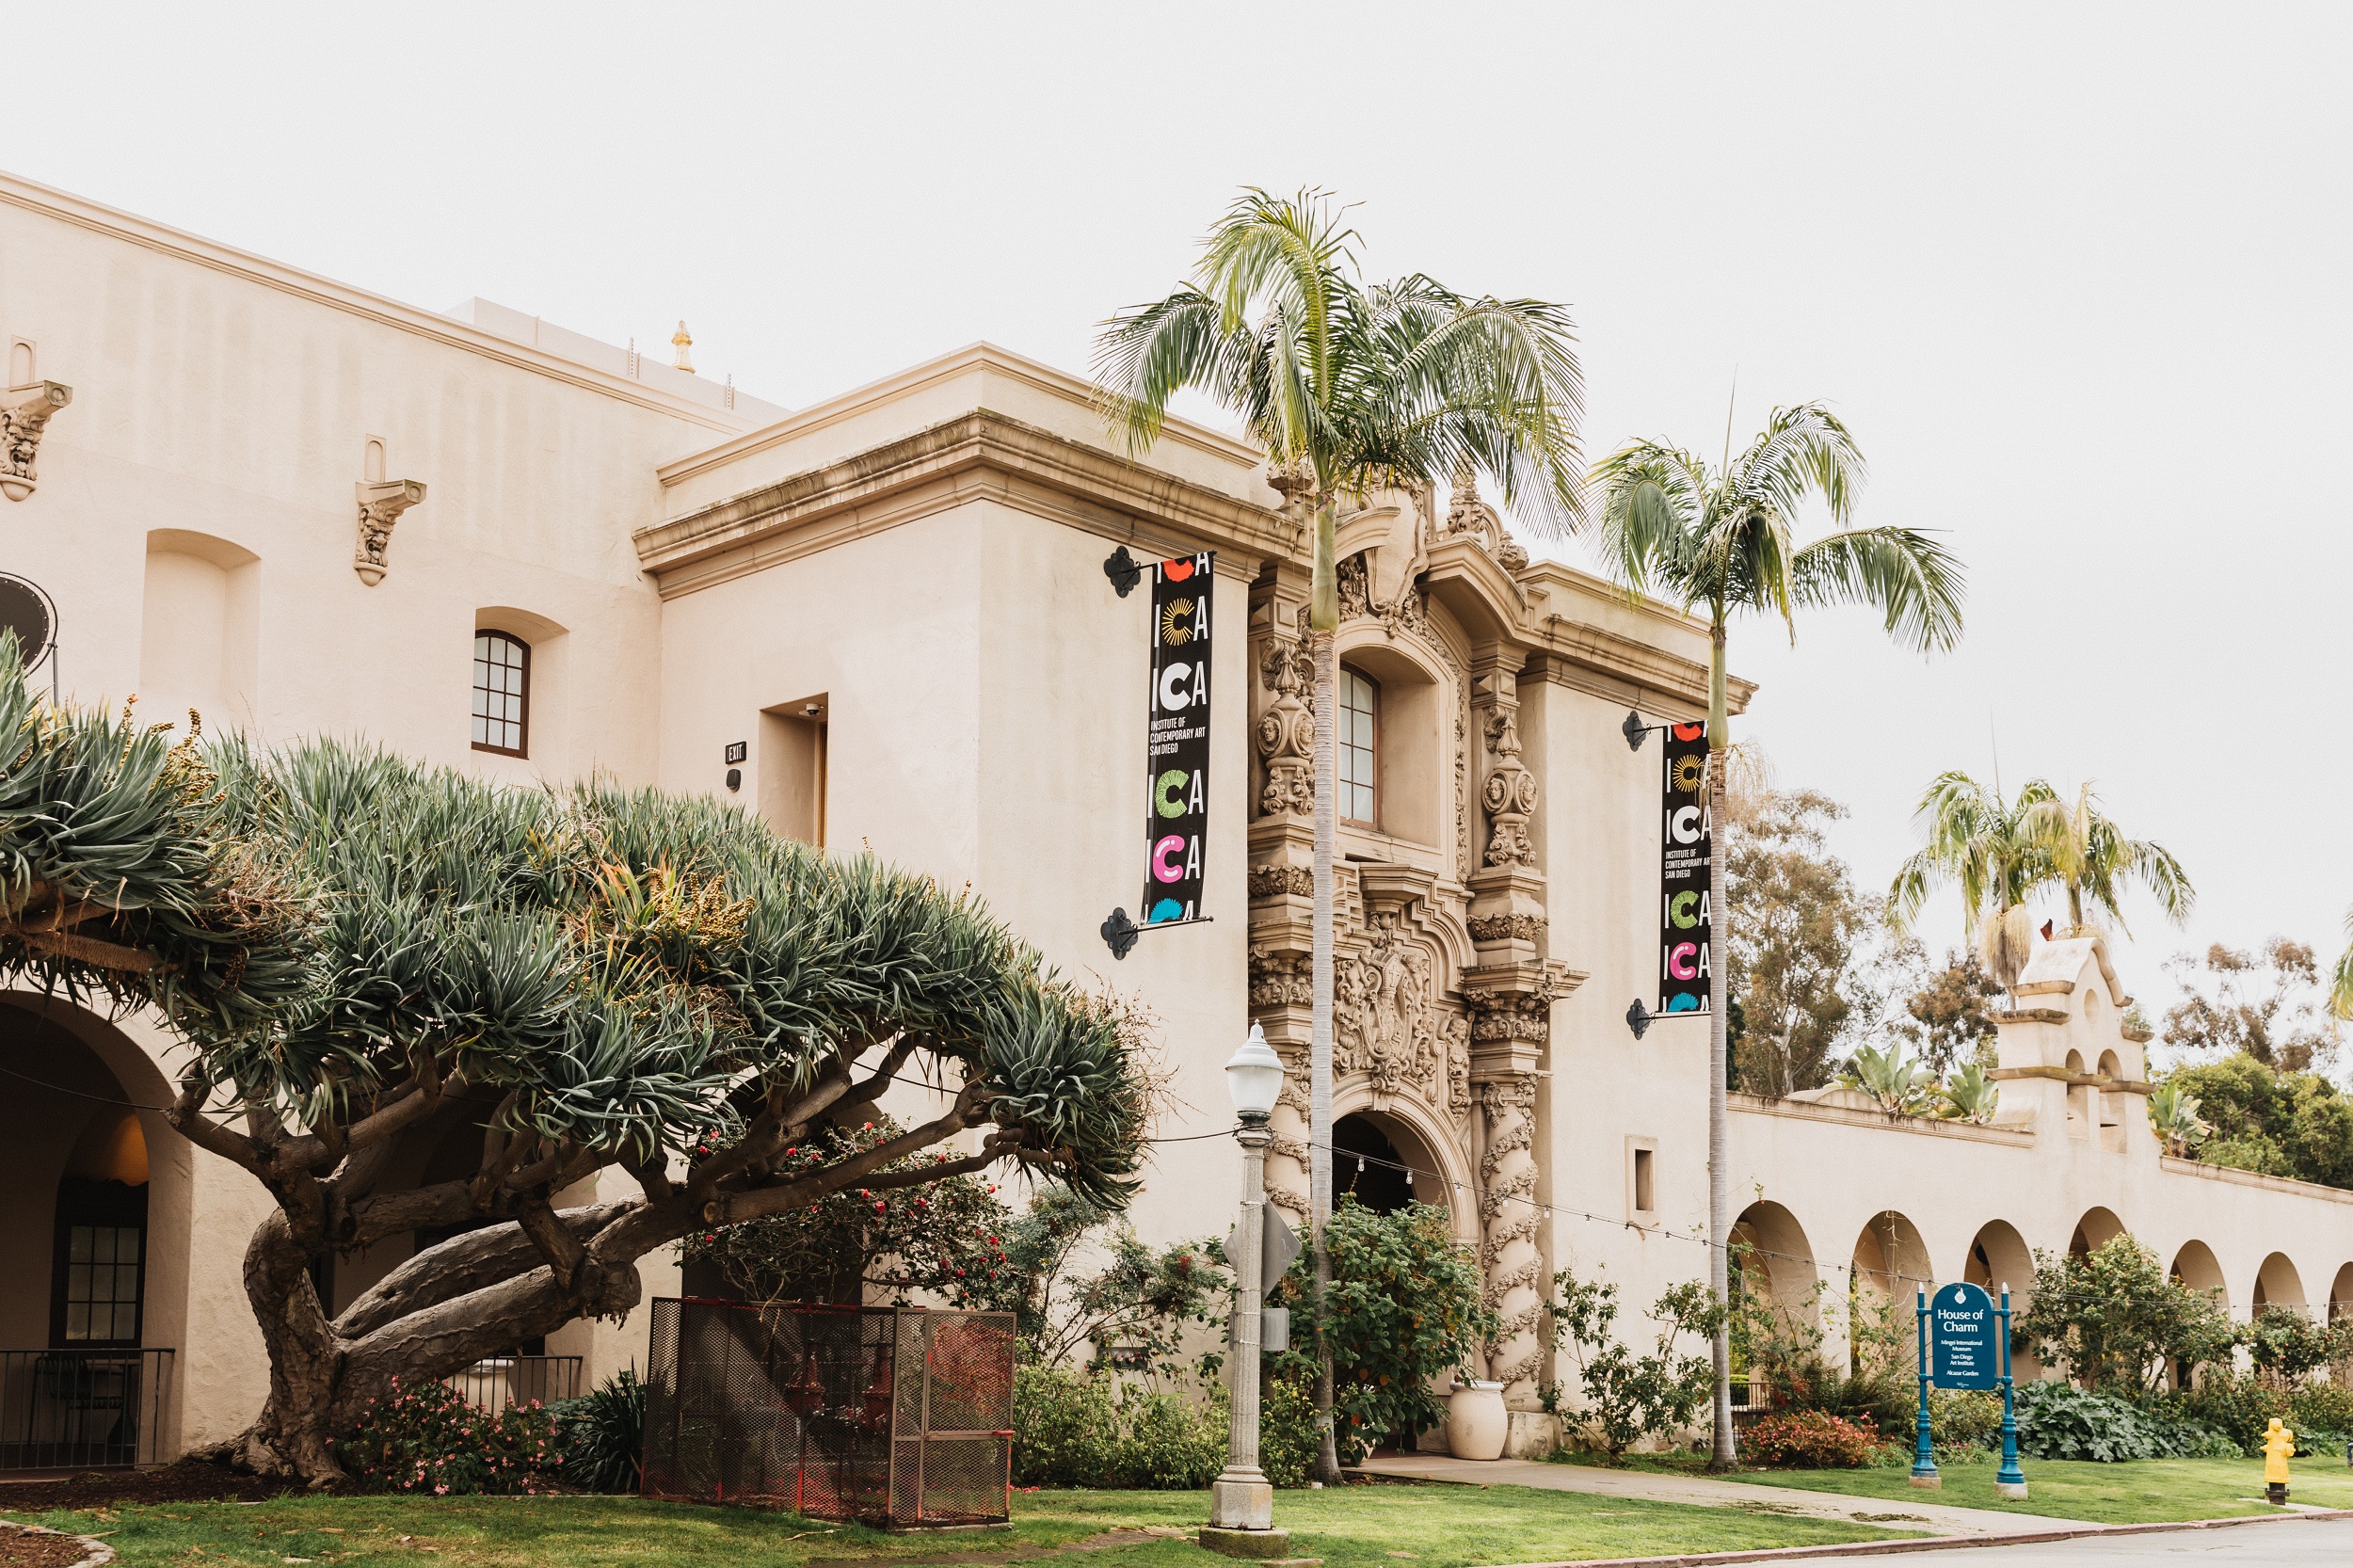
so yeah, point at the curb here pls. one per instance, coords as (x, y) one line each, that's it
(1930, 1543)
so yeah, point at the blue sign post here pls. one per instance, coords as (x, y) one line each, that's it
(1958, 1329)
(1924, 1451)
(2009, 1480)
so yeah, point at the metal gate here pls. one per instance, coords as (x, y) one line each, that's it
(892, 1416)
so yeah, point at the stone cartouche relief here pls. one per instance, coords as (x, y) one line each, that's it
(1390, 1024)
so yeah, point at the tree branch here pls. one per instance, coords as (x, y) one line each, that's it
(459, 1265)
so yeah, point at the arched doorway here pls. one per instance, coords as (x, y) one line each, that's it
(1383, 1162)
(85, 1329)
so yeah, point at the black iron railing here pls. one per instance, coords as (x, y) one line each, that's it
(82, 1409)
(505, 1380)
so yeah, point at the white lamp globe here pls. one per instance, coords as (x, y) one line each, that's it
(1255, 1078)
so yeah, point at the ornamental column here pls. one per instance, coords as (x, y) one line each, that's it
(1510, 1008)
(1282, 864)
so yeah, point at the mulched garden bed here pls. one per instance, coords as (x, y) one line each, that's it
(191, 1481)
(23, 1549)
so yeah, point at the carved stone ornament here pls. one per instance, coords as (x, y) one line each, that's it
(1388, 1023)
(1287, 732)
(1467, 515)
(1509, 794)
(1276, 881)
(1280, 979)
(23, 413)
(380, 505)
(1410, 613)
(1507, 928)
(1508, 1216)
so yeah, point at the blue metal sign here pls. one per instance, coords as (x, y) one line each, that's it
(1965, 1338)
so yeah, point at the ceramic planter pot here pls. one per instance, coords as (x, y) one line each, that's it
(1476, 1420)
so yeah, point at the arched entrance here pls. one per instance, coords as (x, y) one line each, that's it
(1385, 1162)
(88, 1230)
(1774, 1277)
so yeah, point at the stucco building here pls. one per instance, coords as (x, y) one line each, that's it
(886, 620)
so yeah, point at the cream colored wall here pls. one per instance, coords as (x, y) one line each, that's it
(226, 403)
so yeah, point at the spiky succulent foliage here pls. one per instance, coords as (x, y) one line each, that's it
(1899, 1085)
(1970, 1096)
(364, 955)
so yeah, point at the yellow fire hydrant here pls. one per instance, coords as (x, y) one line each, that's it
(2278, 1448)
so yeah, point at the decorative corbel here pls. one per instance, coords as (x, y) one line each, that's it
(23, 413)
(380, 505)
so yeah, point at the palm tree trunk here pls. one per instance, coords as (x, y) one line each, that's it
(1718, 1111)
(1323, 614)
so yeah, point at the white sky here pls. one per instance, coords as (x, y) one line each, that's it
(2076, 276)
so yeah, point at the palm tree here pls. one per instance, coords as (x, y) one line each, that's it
(2092, 859)
(2341, 982)
(1724, 538)
(2002, 853)
(1997, 850)
(1350, 389)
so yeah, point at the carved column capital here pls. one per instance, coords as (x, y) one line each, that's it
(380, 505)
(25, 412)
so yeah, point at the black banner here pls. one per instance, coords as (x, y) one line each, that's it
(1177, 755)
(1683, 883)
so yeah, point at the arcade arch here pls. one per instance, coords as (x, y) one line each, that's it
(2277, 1286)
(2197, 1267)
(2340, 1294)
(2096, 1229)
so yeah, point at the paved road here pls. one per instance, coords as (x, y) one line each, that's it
(2273, 1543)
(1707, 1491)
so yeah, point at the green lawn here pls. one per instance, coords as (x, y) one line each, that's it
(1362, 1527)
(2148, 1491)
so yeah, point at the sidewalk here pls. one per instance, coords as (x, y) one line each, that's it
(1707, 1491)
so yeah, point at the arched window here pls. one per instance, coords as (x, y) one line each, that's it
(502, 694)
(1359, 728)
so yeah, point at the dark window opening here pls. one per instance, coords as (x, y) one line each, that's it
(502, 694)
(97, 1285)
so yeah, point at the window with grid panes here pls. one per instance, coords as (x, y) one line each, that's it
(501, 693)
(1360, 723)
(102, 1284)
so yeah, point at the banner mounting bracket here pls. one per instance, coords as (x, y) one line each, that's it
(1124, 570)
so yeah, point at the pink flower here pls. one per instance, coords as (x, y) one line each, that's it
(442, 1491)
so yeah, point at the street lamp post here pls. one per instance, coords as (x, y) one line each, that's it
(1241, 1502)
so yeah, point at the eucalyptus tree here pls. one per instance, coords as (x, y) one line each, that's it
(361, 954)
(1723, 540)
(1351, 388)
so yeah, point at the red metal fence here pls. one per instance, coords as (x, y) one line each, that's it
(887, 1414)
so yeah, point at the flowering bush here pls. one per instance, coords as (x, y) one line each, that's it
(1813, 1439)
(427, 1438)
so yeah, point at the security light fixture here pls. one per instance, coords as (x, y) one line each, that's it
(1255, 1078)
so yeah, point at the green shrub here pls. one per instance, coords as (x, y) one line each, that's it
(427, 1438)
(601, 1435)
(1626, 1397)
(1286, 1431)
(1810, 1439)
(2322, 1405)
(1076, 1428)
(2058, 1420)
(2236, 1405)
(1403, 1308)
(2321, 1442)
(1960, 1420)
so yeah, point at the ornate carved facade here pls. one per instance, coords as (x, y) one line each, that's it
(1442, 984)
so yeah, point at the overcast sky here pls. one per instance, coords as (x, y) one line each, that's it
(2074, 276)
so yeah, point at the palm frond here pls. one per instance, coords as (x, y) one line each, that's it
(1902, 572)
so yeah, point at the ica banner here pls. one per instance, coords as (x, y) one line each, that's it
(1683, 890)
(1177, 821)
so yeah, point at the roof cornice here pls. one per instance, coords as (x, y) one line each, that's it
(916, 378)
(978, 454)
(131, 229)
